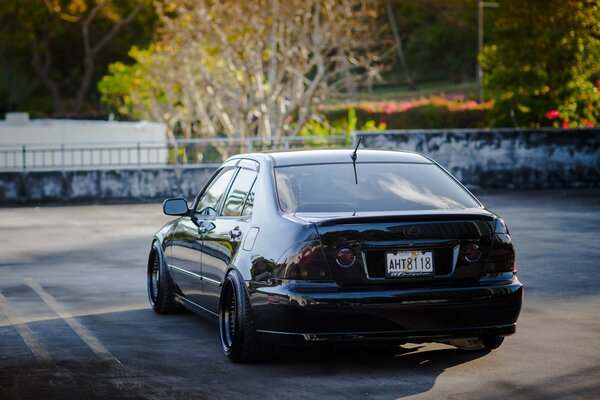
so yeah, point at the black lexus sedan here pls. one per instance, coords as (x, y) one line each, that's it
(339, 247)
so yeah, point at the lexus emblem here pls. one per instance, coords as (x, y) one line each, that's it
(412, 231)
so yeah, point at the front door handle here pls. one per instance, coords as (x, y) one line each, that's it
(235, 233)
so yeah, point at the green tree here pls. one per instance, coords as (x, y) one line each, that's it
(64, 46)
(540, 63)
(440, 38)
(146, 89)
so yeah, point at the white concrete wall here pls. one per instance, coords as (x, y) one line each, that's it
(79, 142)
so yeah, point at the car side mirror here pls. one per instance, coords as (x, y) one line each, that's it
(177, 206)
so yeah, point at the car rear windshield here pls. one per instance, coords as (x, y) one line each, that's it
(380, 187)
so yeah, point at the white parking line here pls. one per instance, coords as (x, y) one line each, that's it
(39, 351)
(51, 315)
(88, 338)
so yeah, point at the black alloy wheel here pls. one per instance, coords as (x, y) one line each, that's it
(236, 323)
(161, 289)
(153, 279)
(229, 317)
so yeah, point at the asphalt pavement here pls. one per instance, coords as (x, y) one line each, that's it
(75, 322)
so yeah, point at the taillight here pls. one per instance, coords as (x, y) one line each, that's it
(303, 261)
(472, 252)
(502, 252)
(345, 258)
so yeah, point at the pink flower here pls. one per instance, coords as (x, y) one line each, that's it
(565, 124)
(388, 108)
(553, 114)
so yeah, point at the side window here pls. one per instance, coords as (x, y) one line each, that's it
(212, 197)
(238, 193)
(249, 203)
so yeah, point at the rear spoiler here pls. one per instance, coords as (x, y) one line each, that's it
(420, 217)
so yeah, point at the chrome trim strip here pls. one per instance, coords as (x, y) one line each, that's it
(455, 256)
(215, 282)
(195, 305)
(201, 277)
(424, 332)
(278, 332)
(185, 271)
(364, 263)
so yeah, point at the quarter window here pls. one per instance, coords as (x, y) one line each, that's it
(234, 204)
(249, 203)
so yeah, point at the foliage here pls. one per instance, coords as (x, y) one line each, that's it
(440, 38)
(317, 126)
(248, 68)
(543, 57)
(57, 49)
(435, 112)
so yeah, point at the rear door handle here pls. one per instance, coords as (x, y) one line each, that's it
(235, 233)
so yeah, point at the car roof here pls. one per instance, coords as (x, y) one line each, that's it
(325, 156)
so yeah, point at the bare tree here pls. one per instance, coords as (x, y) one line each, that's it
(248, 68)
(398, 41)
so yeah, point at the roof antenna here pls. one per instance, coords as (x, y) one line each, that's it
(353, 156)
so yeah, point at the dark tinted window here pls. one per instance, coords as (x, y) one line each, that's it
(249, 202)
(238, 193)
(212, 197)
(381, 187)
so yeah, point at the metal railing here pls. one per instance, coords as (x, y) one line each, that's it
(180, 152)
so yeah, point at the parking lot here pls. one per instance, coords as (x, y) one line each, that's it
(75, 322)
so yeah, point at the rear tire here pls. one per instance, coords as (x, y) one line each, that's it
(161, 289)
(236, 322)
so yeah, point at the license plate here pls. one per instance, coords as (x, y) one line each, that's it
(408, 263)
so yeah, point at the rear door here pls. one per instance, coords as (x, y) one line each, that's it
(188, 248)
(222, 241)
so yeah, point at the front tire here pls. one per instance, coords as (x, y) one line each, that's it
(161, 289)
(236, 323)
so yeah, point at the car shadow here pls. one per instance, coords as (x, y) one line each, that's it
(179, 357)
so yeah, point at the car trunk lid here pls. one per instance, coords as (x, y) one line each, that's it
(372, 235)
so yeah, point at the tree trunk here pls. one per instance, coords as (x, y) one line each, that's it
(42, 69)
(86, 82)
(407, 77)
(90, 52)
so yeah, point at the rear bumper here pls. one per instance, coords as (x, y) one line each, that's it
(297, 313)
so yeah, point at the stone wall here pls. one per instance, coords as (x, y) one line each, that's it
(504, 158)
(509, 159)
(100, 186)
